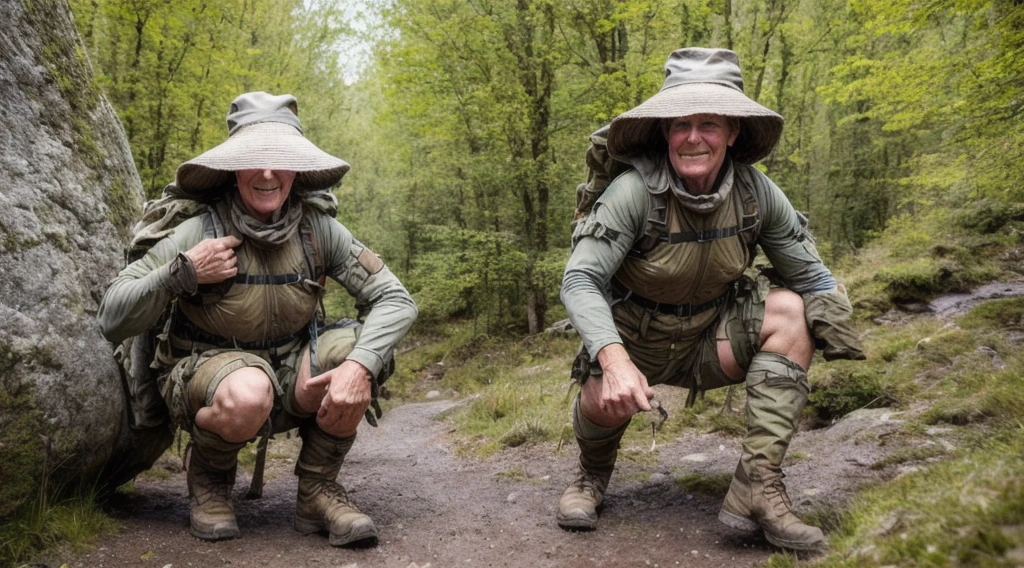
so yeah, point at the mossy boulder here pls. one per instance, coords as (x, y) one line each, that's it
(68, 191)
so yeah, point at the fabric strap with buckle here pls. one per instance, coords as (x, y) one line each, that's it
(679, 310)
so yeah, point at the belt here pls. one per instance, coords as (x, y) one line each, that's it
(185, 329)
(679, 310)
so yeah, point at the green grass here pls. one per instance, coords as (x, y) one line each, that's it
(521, 393)
(1007, 313)
(711, 485)
(964, 511)
(51, 525)
(916, 258)
(963, 506)
(910, 455)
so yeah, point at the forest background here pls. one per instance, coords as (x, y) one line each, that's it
(466, 121)
(466, 124)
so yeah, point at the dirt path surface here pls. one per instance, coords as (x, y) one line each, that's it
(435, 509)
(952, 305)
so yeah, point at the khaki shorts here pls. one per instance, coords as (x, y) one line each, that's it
(667, 350)
(191, 383)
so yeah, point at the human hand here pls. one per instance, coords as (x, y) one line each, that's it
(624, 389)
(214, 259)
(347, 396)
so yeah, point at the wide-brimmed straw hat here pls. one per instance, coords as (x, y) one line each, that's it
(697, 81)
(264, 132)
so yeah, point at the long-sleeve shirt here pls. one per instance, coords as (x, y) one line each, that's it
(139, 295)
(619, 219)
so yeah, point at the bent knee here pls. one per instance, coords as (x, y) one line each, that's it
(785, 304)
(247, 392)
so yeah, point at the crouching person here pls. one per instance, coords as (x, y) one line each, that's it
(656, 288)
(233, 291)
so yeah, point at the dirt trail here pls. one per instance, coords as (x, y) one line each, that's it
(952, 305)
(434, 508)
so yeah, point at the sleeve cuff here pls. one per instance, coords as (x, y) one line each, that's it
(595, 347)
(373, 362)
(181, 278)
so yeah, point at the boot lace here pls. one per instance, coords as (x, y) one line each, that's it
(589, 483)
(336, 493)
(207, 484)
(775, 493)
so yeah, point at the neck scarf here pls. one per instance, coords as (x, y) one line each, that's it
(660, 176)
(273, 234)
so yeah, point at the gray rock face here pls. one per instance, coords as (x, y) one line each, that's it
(68, 193)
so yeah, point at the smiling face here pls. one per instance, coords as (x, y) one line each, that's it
(264, 191)
(696, 147)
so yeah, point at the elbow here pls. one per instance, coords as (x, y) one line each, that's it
(572, 283)
(111, 326)
(109, 330)
(413, 310)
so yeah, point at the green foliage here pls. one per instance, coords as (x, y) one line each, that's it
(171, 69)
(465, 273)
(711, 485)
(843, 388)
(47, 523)
(1005, 313)
(22, 449)
(918, 520)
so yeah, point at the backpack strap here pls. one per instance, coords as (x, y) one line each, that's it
(315, 272)
(655, 228)
(311, 252)
(213, 228)
(751, 215)
(748, 223)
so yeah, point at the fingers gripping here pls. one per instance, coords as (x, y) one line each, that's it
(214, 259)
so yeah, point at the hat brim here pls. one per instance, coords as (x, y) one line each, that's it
(265, 145)
(637, 132)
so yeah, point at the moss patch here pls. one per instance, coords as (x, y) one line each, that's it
(1004, 313)
(123, 206)
(842, 388)
(21, 451)
(711, 485)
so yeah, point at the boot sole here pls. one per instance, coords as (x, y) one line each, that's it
(360, 535)
(217, 533)
(576, 523)
(737, 522)
(794, 545)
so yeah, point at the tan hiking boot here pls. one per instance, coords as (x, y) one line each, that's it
(211, 513)
(577, 509)
(599, 447)
(324, 506)
(753, 503)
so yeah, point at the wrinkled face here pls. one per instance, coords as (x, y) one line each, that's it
(696, 147)
(264, 191)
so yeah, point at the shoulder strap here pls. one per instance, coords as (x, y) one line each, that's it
(749, 221)
(213, 228)
(311, 251)
(655, 227)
